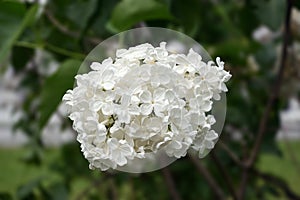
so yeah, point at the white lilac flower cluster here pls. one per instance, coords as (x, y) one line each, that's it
(145, 100)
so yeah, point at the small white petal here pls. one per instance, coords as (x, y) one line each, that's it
(146, 96)
(146, 109)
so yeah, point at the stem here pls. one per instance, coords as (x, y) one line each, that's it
(170, 184)
(210, 180)
(271, 179)
(230, 153)
(62, 28)
(50, 47)
(273, 97)
(226, 176)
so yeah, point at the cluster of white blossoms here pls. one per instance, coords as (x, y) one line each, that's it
(146, 99)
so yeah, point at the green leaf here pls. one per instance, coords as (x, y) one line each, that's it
(5, 196)
(129, 12)
(73, 13)
(103, 16)
(84, 10)
(297, 4)
(54, 88)
(235, 50)
(58, 191)
(21, 56)
(26, 191)
(271, 12)
(192, 17)
(13, 21)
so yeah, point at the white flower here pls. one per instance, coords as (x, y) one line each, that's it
(125, 110)
(104, 65)
(155, 102)
(120, 150)
(106, 80)
(200, 103)
(146, 100)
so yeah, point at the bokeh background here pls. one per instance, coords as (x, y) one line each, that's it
(42, 44)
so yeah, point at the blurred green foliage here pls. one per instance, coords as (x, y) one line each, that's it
(69, 29)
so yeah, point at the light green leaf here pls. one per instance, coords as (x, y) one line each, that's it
(129, 12)
(13, 20)
(54, 88)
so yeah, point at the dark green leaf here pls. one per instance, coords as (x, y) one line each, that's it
(192, 17)
(21, 56)
(235, 50)
(54, 88)
(33, 156)
(129, 12)
(58, 191)
(73, 14)
(270, 12)
(297, 4)
(103, 16)
(5, 196)
(84, 10)
(13, 20)
(26, 191)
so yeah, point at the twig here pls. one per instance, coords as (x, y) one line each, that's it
(278, 182)
(62, 28)
(276, 87)
(267, 177)
(230, 153)
(274, 95)
(210, 180)
(113, 192)
(50, 47)
(226, 176)
(170, 184)
(291, 153)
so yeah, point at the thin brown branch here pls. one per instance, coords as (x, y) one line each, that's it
(170, 184)
(267, 177)
(291, 153)
(208, 177)
(113, 190)
(225, 175)
(271, 179)
(273, 96)
(230, 153)
(276, 87)
(64, 29)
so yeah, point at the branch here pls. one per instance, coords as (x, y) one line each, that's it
(62, 28)
(230, 153)
(278, 182)
(273, 97)
(170, 184)
(50, 47)
(291, 153)
(266, 176)
(210, 180)
(226, 176)
(113, 190)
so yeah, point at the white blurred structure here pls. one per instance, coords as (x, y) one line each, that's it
(262, 34)
(9, 99)
(290, 121)
(10, 109)
(52, 134)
